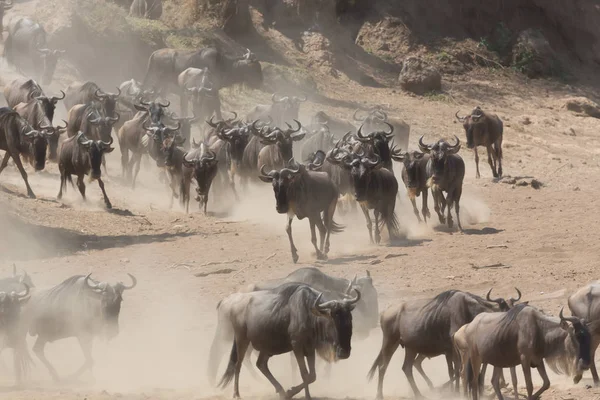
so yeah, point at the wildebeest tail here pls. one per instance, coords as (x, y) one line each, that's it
(23, 361)
(376, 364)
(230, 371)
(469, 376)
(392, 223)
(336, 228)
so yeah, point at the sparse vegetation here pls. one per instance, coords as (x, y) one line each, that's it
(437, 96)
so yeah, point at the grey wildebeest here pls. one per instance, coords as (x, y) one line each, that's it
(526, 336)
(196, 84)
(157, 134)
(165, 65)
(414, 176)
(131, 94)
(375, 120)
(484, 129)
(11, 334)
(284, 109)
(79, 307)
(236, 139)
(80, 156)
(278, 144)
(201, 164)
(86, 92)
(424, 328)
(4, 6)
(16, 282)
(289, 318)
(585, 304)
(320, 139)
(302, 193)
(26, 49)
(17, 138)
(375, 188)
(150, 9)
(446, 172)
(377, 143)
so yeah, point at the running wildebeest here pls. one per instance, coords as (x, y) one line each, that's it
(202, 164)
(375, 120)
(11, 334)
(320, 139)
(86, 92)
(414, 176)
(279, 144)
(377, 143)
(18, 138)
(16, 282)
(131, 94)
(337, 126)
(484, 129)
(283, 110)
(446, 172)
(5, 5)
(526, 336)
(26, 49)
(289, 318)
(585, 304)
(196, 84)
(425, 328)
(150, 9)
(157, 134)
(79, 156)
(165, 65)
(236, 141)
(302, 193)
(174, 159)
(79, 307)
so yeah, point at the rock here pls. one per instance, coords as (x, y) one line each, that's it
(582, 106)
(533, 55)
(419, 77)
(536, 184)
(525, 121)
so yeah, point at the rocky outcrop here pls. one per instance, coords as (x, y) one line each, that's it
(533, 55)
(419, 77)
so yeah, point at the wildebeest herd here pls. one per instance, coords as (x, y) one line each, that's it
(307, 313)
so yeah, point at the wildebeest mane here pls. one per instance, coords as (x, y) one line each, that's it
(433, 311)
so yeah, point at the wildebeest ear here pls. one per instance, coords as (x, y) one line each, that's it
(140, 108)
(109, 150)
(418, 155)
(318, 313)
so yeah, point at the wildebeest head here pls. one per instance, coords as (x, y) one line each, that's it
(282, 181)
(469, 122)
(339, 312)
(316, 160)
(205, 168)
(580, 344)
(95, 150)
(111, 297)
(238, 139)
(186, 127)
(49, 59)
(503, 304)
(439, 152)
(168, 148)
(284, 139)
(361, 169)
(38, 145)
(410, 160)
(379, 140)
(48, 104)
(53, 134)
(10, 307)
(24, 279)
(109, 100)
(103, 124)
(158, 134)
(289, 105)
(373, 119)
(155, 109)
(249, 70)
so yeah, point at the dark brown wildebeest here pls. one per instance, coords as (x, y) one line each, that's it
(526, 336)
(375, 120)
(236, 139)
(337, 126)
(278, 148)
(165, 65)
(377, 143)
(484, 129)
(157, 134)
(283, 110)
(87, 92)
(424, 328)
(320, 139)
(11, 334)
(414, 176)
(201, 164)
(16, 282)
(289, 318)
(26, 48)
(446, 172)
(81, 156)
(211, 135)
(18, 138)
(150, 9)
(131, 94)
(302, 193)
(196, 84)
(79, 307)
(185, 131)
(4, 6)
(585, 304)
(174, 163)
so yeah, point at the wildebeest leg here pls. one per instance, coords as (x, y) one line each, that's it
(438, 200)
(136, 163)
(125, 170)
(19, 165)
(492, 166)
(262, 365)
(38, 349)
(476, 162)
(513, 378)
(106, 200)
(377, 233)
(419, 368)
(313, 237)
(308, 375)
(482, 377)
(85, 342)
(288, 229)
(104, 165)
(415, 209)
(365, 211)
(4, 161)
(81, 186)
(498, 149)
(232, 185)
(496, 382)
(322, 233)
(456, 198)
(475, 365)
(407, 367)
(63, 181)
(388, 348)
(328, 219)
(425, 208)
(546, 381)
(449, 201)
(526, 365)
(593, 370)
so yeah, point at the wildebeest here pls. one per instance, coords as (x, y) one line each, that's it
(375, 120)
(81, 156)
(4, 6)
(157, 134)
(236, 141)
(446, 172)
(424, 328)
(201, 164)
(11, 333)
(278, 148)
(377, 143)
(320, 139)
(337, 126)
(414, 176)
(585, 304)
(18, 138)
(375, 188)
(290, 318)
(79, 307)
(303, 193)
(283, 110)
(150, 9)
(174, 158)
(185, 130)
(526, 336)
(86, 92)
(16, 282)
(165, 65)
(26, 48)
(196, 84)
(484, 129)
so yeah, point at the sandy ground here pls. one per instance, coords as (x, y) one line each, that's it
(549, 237)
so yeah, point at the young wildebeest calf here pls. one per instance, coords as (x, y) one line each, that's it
(484, 129)
(414, 176)
(202, 164)
(303, 193)
(79, 156)
(446, 172)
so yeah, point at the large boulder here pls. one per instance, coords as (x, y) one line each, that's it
(419, 77)
(533, 55)
(582, 106)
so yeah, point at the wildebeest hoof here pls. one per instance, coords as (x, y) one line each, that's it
(321, 256)
(295, 257)
(450, 223)
(31, 195)
(108, 205)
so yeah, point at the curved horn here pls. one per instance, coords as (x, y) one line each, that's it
(211, 123)
(54, 99)
(99, 94)
(292, 130)
(355, 299)
(360, 136)
(425, 148)
(488, 298)
(23, 295)
(89, 284)
(454, 148)
(164, 105)
(459, 118)
(572, 320)
(186, 162)
(235, 115)
(370, 162)
(391, 128)
(133, 282)
(118, 92)
(354, 116)
(518, 298)
(275, 98)
(144, 103)
(115, 119)
(210, 156)
(107, 144)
